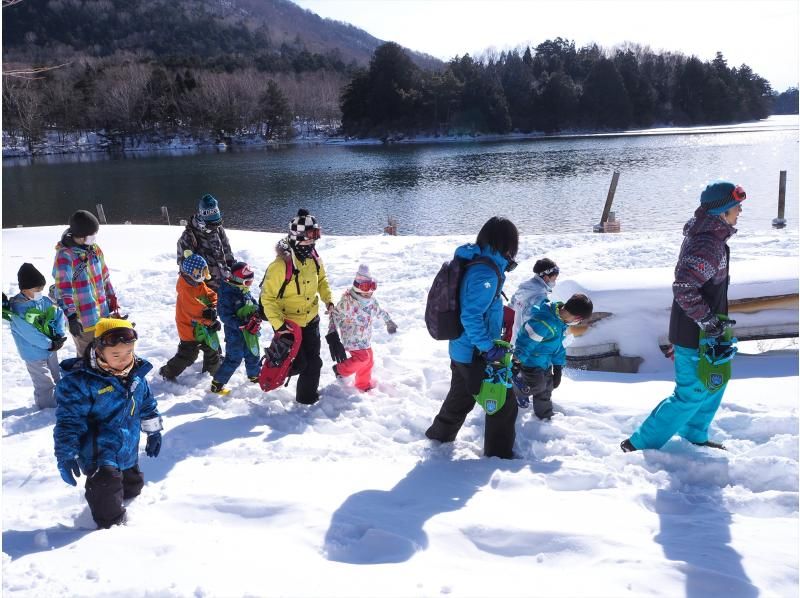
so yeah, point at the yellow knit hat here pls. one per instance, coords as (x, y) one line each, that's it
(105, 324)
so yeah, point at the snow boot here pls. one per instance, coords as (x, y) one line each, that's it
(627, 446)
(165, 374)
(219, 388)
(711, 444)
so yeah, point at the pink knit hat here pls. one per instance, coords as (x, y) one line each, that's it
(364, 282)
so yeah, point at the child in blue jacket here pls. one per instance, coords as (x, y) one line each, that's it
(540, 346)
(238, 311)
(38, 328)
(104, 402)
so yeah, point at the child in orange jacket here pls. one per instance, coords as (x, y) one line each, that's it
(196, 318)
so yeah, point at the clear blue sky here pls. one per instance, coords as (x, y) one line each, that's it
(762, 33)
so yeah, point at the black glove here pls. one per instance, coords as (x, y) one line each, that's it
(57, 343)
(215, 326)
(557, 375)
(338, 354)
(75, 326)
(153, 446)
(281, 346)
(210, 313)
(391, 327)
(712, 326)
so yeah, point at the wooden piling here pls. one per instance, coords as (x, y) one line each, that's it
(165, 214)
(780, 221)
(101, 215)
(612, 189)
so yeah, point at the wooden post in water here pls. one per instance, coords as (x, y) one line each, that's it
(165, 214)
(101, 215)
(780, 221)
(599, 228)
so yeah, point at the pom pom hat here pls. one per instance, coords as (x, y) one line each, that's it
(208, 209)
(195, 266)
(364, 282)
(720, 196)
(304, 226)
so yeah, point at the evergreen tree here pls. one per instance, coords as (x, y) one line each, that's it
(605, 101)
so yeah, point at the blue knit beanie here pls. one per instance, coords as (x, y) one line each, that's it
(194, 266)
(208, 209)
(718, 197)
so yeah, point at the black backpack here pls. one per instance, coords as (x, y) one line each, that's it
(442, 311)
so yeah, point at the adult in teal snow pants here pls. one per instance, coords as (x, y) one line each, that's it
(700, 295)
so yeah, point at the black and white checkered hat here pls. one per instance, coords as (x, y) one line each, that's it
(301, 224)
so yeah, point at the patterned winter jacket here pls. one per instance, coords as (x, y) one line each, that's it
(192, 300)
(481, 304)
(701, 276)
(353, 317)
(33, 344)
(540, 342)
(300, 301)
(83, 285)
(98, 416)
(531, 292)
(212, 244)
(231, 300)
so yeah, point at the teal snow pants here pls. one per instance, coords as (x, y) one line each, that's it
(688, 412)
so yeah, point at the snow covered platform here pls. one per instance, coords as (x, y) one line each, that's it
(632, 310)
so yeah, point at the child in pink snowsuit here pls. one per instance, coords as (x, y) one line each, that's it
(353, 317)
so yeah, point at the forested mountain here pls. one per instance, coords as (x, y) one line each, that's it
(271, 35)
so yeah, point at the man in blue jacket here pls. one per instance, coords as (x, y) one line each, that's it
(540, 347)
(104, 402)
(482, 319)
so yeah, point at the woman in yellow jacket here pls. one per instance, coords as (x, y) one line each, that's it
(292, 287)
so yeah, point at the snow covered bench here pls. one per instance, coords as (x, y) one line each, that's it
(629, 328)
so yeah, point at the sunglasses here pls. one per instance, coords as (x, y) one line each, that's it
(738, 193)
(112, 338)
(550, 272)
(365, 286)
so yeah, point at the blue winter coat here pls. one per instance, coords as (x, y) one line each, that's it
(230, 300)
(31, 343)
(481, 304)
(98, 417)
(540, 342)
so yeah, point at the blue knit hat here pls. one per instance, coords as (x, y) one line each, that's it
(208, 209)
(195, 266)
(720, 196)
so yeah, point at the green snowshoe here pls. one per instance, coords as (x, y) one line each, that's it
(250, 339)
(205, 335)
(492, 395)
(715, 355)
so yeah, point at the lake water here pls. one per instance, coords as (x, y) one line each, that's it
(543, 185)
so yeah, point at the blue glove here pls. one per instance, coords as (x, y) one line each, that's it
(67, 469)
(523, 401)
(153, 446)
(496, 353)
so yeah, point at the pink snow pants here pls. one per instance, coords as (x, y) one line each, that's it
(359, 363)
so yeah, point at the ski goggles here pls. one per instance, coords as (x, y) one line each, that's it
(550, 271)
(512, 264)
(365, 286)
(311, 234)
(738, 194)
(117, 336)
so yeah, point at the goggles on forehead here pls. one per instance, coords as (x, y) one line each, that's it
(738, 193)
(550, 272)
(312, 234)
(117, 336)
(365, 286)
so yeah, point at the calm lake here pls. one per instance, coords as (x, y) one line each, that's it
(543, 185)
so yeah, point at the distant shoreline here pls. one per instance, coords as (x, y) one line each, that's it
(84, 144)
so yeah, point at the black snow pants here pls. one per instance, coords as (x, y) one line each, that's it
(308, 364)
(538, 385)
(107, 487)
(465, 383)
(187, 355)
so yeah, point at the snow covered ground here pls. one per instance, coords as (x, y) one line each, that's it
(256, 495)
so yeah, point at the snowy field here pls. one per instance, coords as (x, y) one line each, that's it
(255, 495)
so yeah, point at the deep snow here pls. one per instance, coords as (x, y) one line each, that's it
(256, 495)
